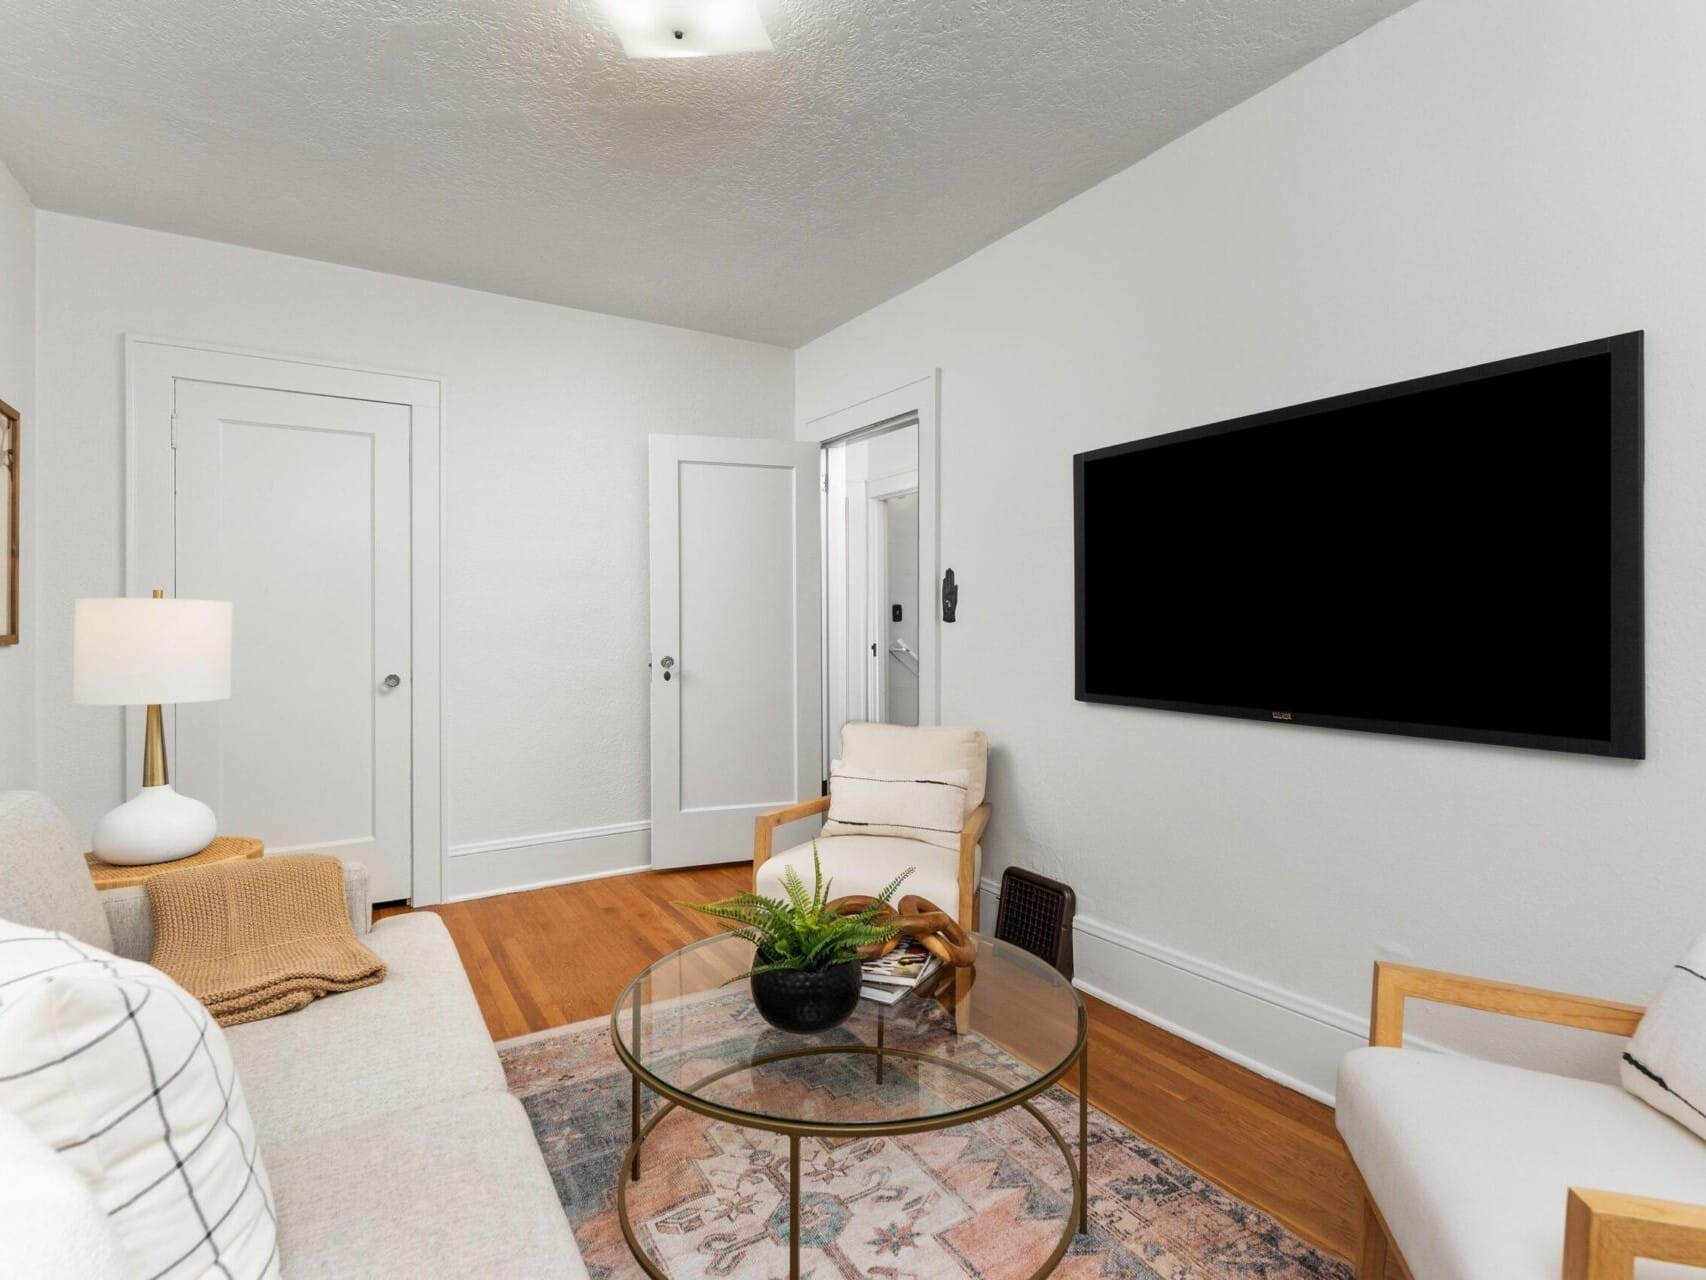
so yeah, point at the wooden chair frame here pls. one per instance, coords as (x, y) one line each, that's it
(1604, 1231)
(764, 838)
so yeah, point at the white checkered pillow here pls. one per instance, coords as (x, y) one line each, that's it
(880, 802)
(127, 1077)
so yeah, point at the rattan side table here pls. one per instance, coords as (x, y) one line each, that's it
(223, 849)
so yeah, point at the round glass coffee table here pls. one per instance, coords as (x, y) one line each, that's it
(977, 1042)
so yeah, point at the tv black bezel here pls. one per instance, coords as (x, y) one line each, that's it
(1628, 669)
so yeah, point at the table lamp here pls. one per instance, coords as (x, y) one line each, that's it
(146, 653)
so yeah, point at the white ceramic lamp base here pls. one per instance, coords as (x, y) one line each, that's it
(159, 825)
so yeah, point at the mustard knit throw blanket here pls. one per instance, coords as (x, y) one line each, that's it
(254, 939)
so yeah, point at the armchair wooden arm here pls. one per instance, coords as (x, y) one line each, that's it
(970, 834)
(764, 826)
(1394, 983)
(1604, 1232)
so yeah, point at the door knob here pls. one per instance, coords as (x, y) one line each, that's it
(392, 681)
(667, 663)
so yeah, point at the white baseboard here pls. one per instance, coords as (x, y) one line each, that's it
(1290, 1038)
(492, 867)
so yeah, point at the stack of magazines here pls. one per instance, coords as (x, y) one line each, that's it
(908, 967)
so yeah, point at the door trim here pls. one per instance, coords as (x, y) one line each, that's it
(923, 397)
(152, 367)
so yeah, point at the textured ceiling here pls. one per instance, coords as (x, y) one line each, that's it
(508, 145)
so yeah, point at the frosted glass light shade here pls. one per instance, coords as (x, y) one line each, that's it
(649, 28)
(138, 652)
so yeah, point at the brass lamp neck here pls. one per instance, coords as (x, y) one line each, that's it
(154, 749)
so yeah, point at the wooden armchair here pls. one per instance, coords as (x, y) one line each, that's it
(863, 864)
(1603, 1232)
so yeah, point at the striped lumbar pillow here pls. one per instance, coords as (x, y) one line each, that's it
(879, 802)
(119, 1070)
(1665, 1064)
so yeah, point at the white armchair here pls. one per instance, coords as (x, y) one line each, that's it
(1479, 1171)
(864, 864)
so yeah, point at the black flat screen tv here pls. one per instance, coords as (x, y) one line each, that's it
(1457, 556)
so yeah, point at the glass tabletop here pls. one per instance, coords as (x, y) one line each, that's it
(972, 1041)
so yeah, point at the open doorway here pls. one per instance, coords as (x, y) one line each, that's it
(893, 560)
(875, 594)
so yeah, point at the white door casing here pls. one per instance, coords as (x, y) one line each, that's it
(919, 399)
(277, 445)
(295, 507)
(735, 618)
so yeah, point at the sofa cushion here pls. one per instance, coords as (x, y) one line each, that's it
(44, 880)
(50, 1222)
(865, 864)
(118, 1069)
(920, 750)
(455, 1190)
(1470, 1161)
(414, 1039)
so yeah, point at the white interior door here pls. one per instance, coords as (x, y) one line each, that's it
(296, 507)
(736, 652)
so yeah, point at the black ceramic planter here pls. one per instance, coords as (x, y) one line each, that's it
(807, 999)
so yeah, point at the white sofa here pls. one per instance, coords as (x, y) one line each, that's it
(393, 1146)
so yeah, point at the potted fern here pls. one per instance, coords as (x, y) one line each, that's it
(807, 968)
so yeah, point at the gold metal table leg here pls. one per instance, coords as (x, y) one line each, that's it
(794, 1207)
(880, 1019)
(1084, 1138)
(634, 1101)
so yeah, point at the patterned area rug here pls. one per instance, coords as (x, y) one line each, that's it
(981, 1202)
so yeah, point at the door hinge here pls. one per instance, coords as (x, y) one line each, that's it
(174, 431)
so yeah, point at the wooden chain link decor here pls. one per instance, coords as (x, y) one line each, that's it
(936, 931)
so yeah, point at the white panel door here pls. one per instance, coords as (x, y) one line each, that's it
(295, 507)
(736, 651)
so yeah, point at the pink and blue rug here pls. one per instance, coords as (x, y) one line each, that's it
(985, 1201)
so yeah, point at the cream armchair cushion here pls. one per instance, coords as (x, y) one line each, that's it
(919, 751)
(886, 802)
(864, 864)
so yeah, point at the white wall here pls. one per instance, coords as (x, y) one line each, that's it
(1463, 182)
(17, 388)
(548, 410)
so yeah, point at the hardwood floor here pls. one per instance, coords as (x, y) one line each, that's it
(548, 957)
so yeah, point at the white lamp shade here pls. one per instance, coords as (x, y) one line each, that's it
(648, 28)
(136, 652)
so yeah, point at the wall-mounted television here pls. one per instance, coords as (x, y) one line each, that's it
(1457, 556)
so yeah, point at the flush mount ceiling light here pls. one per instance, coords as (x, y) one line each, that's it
(687, 28)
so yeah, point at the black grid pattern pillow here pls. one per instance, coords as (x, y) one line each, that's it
(879, 802)
(128, 1078)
